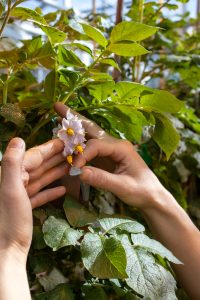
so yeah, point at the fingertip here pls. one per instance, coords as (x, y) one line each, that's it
(16, 143)
(86, 173)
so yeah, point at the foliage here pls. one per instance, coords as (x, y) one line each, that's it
(96, 254)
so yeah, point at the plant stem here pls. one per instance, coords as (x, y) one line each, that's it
(157, 12)
(6, 18)
(136, 68)
(51, 113)
(5, 92)
(82, 76)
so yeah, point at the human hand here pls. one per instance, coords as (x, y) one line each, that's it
(119, 168)
(44, 165)
(23, 176)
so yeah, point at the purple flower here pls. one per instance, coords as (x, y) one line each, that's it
(72, 134)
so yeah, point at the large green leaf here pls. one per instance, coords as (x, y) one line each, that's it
(68, 58)
(165, 135)
(95, 34)
(58, 233)
(61, 292)
(131, 31)
(124, 120)
(77, 215)
(111, 225)
(101, 90)
(103, 257)
(127, 49)
(148, 98)
(153, 246)
(145, 276)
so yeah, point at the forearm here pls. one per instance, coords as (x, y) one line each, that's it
(13, 278)
(172, 227)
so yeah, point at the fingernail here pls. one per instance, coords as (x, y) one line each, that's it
(75, 171)
(16, 143)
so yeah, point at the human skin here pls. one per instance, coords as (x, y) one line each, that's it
(118, 168)
(23, 175)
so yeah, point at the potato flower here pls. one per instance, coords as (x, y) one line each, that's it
(72, 134)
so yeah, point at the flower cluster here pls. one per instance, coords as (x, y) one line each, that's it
(72, 134)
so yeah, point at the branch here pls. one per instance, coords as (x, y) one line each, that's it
(157, 12)
(6, 18)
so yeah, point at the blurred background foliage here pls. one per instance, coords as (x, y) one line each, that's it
(37, 71)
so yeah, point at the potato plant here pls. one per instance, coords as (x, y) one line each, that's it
(97, 249)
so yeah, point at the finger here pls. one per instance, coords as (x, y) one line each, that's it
(101, 148)
(47, 196)
(101, 179)
(11, 167)
(34, 157)
(91, 128)
(47, 165)
(47, 178)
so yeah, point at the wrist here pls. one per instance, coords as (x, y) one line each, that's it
(160, 200)
(14, 257)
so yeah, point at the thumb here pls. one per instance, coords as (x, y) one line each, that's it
(99, 178)
(12, 162)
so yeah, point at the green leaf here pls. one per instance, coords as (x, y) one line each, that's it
(126, 121)
(82, 47)
(94, 292)
(150, 99)
(101, 90)
(131, 31)
(46, 56)
(153, 246)
(58, 233)
(111, 225)
(95, 34)
(11, 112)
(127, 49)
(77, 215)
(50, 85)
(165, 135)
(145, 276)
(69, 78)
(161, 101)
(27, 14)
(55, 36)
(38, 240)
(61, 292)
(32, 46)
(68, 58)
(103, 257)
(111, 62)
